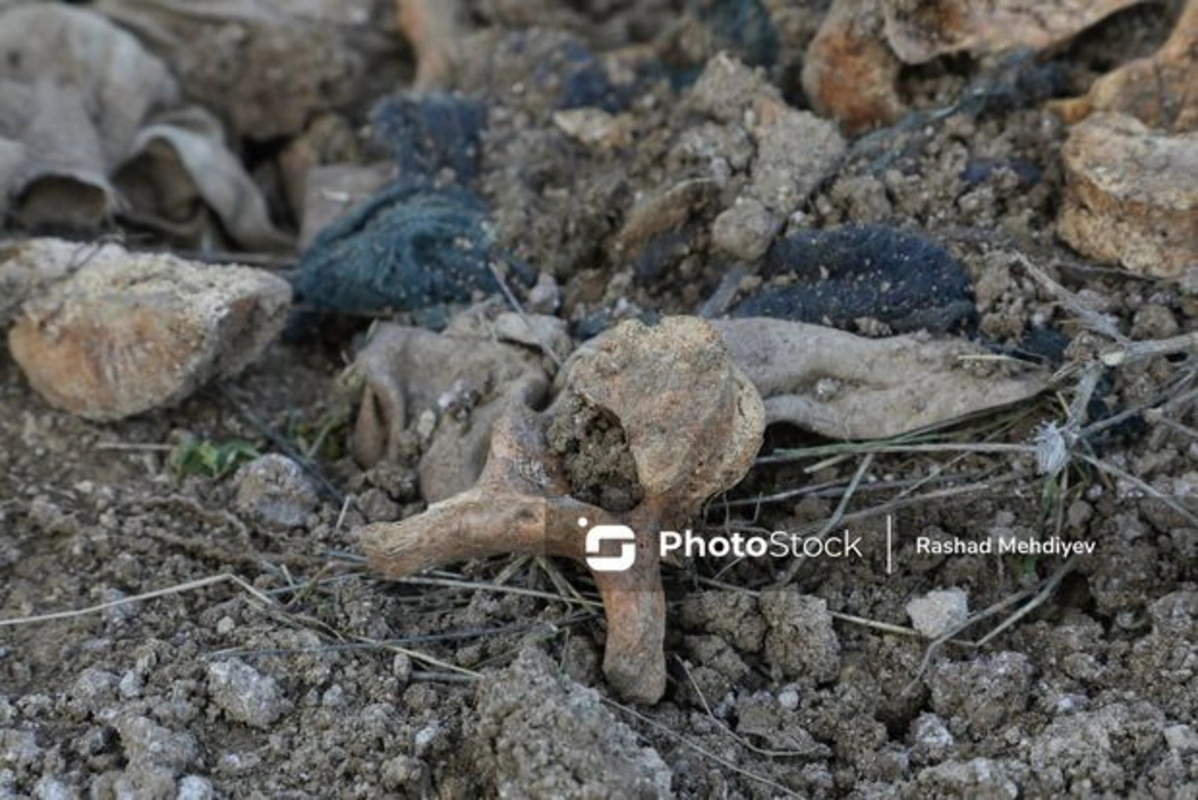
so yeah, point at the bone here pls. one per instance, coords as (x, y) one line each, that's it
(693, 424)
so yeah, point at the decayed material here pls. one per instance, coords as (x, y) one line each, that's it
(92, 124)
(845, 386)
(126, 332)
(1161, 91)
(406, 371)
(853, 62)
(1131, 195)
(692, 424)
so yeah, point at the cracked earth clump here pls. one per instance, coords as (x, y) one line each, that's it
(595, 456)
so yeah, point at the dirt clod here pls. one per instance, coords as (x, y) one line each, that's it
(539, 734)
(800, 640)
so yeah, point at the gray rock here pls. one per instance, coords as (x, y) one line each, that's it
(51, 787)
(273, 490)
(982, 778)
(795, 151)
(245, 694)
(540, 735)
(148, 744)
(18, 748)
(193, 787)
(937, 613)
(930, 739)
(745, 230)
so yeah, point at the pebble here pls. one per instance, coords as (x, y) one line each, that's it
(745, 230)
(245, 694)
(193, 787)
(275, 491)
(937, 613)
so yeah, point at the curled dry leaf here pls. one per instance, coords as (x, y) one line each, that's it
(692, 424)
(405, 371)
(90, 125)
(845, 386)
(266, 67)
(128, 332)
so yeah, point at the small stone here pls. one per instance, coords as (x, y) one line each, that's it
(745, 230)
(1131, 194)
(401, 667)
(788, 698)
(930, 739)
(245, 694)
(796, 150)
(51, 787)
(727, 88)
(540, 734)
(275, 491)
(129, 332)
(594, 127)
(148, 744)
(225, 626)
(193, 787)
(985, 692)
(1182, 738)
(939, 612)
(132, 684)
(402, 772)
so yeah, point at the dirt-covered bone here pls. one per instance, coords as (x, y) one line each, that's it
(693, 424)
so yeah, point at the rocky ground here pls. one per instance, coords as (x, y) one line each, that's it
(273, 663)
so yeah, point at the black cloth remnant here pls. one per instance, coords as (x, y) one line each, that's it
(835, 277)
(743, 27)
(412, 246)
(429, 133)
(571, 73)
(980, 170)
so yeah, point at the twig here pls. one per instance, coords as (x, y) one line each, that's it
(1042, 594)
(1094, 320)
(1147, 488)
(283, 445)
(1041, 597)
(491, 587)
(787, 456)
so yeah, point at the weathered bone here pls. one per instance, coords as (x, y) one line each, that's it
(693, 424)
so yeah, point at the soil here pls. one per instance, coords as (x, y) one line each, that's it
(345, 685)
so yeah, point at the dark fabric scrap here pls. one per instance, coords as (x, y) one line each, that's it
(835, 277)
(410, 247)
(428, 133)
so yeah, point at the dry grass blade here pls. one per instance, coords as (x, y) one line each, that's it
(1144, 486)
(795, 565)
(742, 741)
(180, 588)
(685, 742)
(1038, 597)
